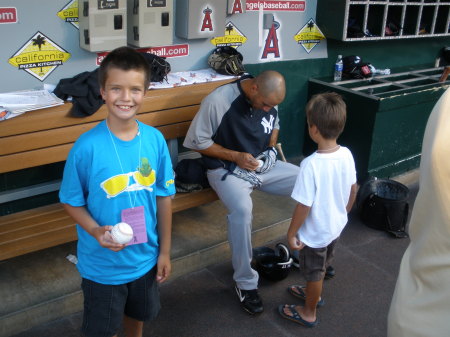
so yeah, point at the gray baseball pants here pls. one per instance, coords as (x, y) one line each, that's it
(235, 194)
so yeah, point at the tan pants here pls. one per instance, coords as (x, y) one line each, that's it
(421, 302)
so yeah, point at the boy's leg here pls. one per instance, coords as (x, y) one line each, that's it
(313, 292)
(143, 303)
(132, 327)
(103, 308)
(312, 262)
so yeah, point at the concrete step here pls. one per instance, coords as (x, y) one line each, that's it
(40, 287)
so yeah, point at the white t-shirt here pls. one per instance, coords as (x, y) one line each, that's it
(324, 184)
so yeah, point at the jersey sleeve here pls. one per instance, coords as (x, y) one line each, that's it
(205, 124)
(276, 125)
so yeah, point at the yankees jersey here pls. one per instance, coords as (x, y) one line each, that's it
(227, 118)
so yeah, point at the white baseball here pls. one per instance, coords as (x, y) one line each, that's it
(260, 163)
(122, 233)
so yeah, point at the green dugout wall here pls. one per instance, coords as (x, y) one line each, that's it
(398, 55)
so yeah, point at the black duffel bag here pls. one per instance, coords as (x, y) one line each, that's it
(383, 205)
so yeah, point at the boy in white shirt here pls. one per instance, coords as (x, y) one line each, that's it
(325, 191)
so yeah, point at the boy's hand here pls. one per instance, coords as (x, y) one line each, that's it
(164, 268)
(295, 243)
(103, 235)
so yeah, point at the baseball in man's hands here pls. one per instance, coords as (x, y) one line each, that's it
(260, 163)
(122, 233)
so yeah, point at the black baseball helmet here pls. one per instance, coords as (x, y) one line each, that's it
(272, 264)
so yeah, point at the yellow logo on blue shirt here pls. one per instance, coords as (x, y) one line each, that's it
(144, 178)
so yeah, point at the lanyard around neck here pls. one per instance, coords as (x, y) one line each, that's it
(132, 203)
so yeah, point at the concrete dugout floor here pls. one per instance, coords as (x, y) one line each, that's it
(203, 303)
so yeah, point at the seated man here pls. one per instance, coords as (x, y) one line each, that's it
(236, 130)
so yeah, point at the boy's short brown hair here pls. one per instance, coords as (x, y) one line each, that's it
(328, 112)
(124, 58)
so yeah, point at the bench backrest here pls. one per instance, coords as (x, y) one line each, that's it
(46, 136)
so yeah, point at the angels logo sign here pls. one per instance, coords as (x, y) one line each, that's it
(236, 7)
(207, 22)
(272, 46)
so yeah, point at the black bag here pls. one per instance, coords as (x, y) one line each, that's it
(355, 68)
(190, 175)
(226, 61)
(159, 67)
(383, 205)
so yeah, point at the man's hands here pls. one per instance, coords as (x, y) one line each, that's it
(245, 161)
(269, 158)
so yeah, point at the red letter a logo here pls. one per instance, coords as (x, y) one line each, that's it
(207, 22)
(271, 43)
(237, 7)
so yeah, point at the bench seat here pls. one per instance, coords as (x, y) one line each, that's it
(46, 136)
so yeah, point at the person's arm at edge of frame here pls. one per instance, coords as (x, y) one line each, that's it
(164, 206)
(101, 233)
(298, 218)
(352, 197)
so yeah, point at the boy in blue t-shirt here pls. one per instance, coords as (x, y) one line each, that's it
(120, 171)
(325, 191)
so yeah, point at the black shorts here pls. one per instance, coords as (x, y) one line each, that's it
(105, 305)
(314, 261)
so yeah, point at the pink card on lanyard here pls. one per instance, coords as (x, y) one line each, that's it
(135, 217)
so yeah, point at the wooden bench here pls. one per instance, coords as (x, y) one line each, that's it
(45, 136)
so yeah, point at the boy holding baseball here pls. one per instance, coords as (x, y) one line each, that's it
(325, 191)
(120, 171)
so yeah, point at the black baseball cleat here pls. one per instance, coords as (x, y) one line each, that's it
(329, 273)
(250, 300)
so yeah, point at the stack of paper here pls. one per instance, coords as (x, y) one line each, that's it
(189, 77)
(15, 103)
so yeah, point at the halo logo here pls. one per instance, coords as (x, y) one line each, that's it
(207, 22)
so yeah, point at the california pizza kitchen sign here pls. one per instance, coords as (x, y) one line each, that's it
(39, 56)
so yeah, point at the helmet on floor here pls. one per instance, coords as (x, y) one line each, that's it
(272, 264)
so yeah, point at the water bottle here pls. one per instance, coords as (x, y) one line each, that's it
(338, 69)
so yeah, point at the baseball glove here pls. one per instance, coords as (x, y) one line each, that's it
(226, 61)
(244, 174)
(269, 158)
(159, 67)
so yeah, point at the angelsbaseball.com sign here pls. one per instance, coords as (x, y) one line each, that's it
(39, 56)
(8, 15)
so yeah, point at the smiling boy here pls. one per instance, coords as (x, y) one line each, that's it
(120, 171)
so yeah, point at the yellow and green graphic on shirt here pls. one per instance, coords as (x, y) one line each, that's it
(142, 179)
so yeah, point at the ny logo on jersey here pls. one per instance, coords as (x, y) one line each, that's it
(268, 125)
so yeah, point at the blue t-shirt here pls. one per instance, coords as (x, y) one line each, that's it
(96, 178)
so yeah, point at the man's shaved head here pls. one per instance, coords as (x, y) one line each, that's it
(271, 83)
